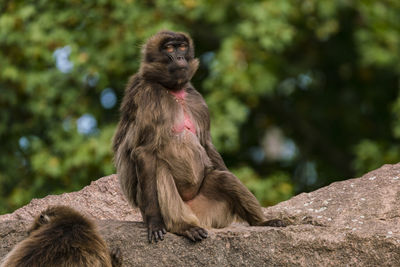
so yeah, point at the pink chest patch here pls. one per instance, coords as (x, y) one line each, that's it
(181, 94)
(186, 123)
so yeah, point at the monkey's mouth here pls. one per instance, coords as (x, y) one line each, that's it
(179, 73)
(178, 69)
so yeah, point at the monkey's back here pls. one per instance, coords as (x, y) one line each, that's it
(67, 243)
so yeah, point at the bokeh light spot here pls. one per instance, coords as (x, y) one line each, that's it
(87, 124)
(108, 98)
(61, 56)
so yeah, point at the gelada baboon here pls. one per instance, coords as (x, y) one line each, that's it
(62, 237)
(165, 160)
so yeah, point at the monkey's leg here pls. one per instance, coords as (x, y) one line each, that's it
(223, 186)
(212, 212)
(177, 215)
(147, 195)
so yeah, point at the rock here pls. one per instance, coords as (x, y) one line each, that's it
(102, 200)
(354, 222)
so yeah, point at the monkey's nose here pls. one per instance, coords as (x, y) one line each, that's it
(181, 61)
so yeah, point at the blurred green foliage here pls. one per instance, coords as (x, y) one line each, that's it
(325, 73)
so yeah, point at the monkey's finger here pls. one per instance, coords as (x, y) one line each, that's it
(116, 252)
(203, 233)
(161, 235)
(116, 257)
(197, 236)
(150, 236)
(164, 231)
(190, 236)
(156, 236)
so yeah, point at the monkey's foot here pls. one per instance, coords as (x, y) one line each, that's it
(273, 223)
(195, 233)
(156, 231)
(116, 257)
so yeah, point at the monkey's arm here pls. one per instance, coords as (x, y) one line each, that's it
(215, 157)
(204, 117)
(148, 203)
(128, 112)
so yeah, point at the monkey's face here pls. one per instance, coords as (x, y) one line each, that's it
(169, 59)
(175, 51)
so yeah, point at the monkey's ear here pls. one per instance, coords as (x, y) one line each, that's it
(43, 218)
(194, 64)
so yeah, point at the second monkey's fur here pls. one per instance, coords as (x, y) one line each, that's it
(62, 237)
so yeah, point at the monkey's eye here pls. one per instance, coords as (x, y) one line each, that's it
(170, 48)
(182, 47)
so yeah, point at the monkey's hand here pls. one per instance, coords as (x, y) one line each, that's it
(273, 223)
(155, 230)
(195, 233)
(116, 257)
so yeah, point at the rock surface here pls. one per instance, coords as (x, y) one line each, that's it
(350, 223)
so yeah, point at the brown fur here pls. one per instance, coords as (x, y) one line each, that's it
(60, 236)
(178, 180)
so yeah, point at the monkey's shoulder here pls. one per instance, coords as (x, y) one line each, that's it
(192, 91)
(194, 96)
(133, 81)
(196, 102)
(145, 91)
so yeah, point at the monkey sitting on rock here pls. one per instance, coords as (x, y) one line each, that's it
(62, 237)
(165, 160)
